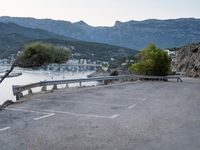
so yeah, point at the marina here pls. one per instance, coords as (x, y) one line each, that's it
(50, 73)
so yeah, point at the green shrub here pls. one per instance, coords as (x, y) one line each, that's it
(38, 54)
(153, 61)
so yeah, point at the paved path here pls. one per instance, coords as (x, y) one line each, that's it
(129, 116)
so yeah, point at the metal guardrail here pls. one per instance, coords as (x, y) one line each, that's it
(18, 89)
(83, 65)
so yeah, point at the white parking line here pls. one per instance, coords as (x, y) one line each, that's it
(25, 110)
(3, 129)
(31, 111)
(130, 107)
(114, 116)
(77, 114)
(49, 113)
(45, 116)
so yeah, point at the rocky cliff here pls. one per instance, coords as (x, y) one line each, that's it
(188, 60)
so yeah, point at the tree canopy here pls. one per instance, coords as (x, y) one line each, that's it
(38, 54)
(152, 61)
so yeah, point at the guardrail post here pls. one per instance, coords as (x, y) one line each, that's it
(55, 87)
(67, 85)
(30, 92)
(80, 84)
(179, 79)
(18, 96)
(44, 89)
(103, 81)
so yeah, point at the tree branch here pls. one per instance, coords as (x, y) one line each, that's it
(9, 71)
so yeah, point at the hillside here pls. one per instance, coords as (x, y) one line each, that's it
(132, 34)
(94, 51)
(188, 59)
(13, 37)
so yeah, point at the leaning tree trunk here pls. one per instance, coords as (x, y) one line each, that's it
(9, 71)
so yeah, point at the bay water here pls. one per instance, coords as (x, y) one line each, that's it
(32, 76)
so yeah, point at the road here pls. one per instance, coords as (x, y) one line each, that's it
(127, 116)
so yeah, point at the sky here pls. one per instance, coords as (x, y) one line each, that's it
(101, 12)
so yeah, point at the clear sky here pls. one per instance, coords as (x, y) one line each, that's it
(101, 12)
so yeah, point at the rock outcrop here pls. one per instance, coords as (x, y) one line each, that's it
(188, 60)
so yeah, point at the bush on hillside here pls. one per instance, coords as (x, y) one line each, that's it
(152, 61)
(38, 54)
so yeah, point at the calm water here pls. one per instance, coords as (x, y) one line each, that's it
(36, 76)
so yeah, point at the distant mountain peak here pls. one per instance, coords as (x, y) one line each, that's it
(81, 22)
(118, 23)
(132, 34)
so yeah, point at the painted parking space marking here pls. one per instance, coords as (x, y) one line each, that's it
(3, 129)
(114, 116)
(48, 113)
(130, 107)
(25, 110)
(45, 116)
(21, 109)
(79, 114)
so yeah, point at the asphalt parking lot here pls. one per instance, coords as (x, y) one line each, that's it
(128, 116)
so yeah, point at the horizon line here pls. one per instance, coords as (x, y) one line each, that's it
(81, 20)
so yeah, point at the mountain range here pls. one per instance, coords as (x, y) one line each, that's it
(13, 37)
(131, 34)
